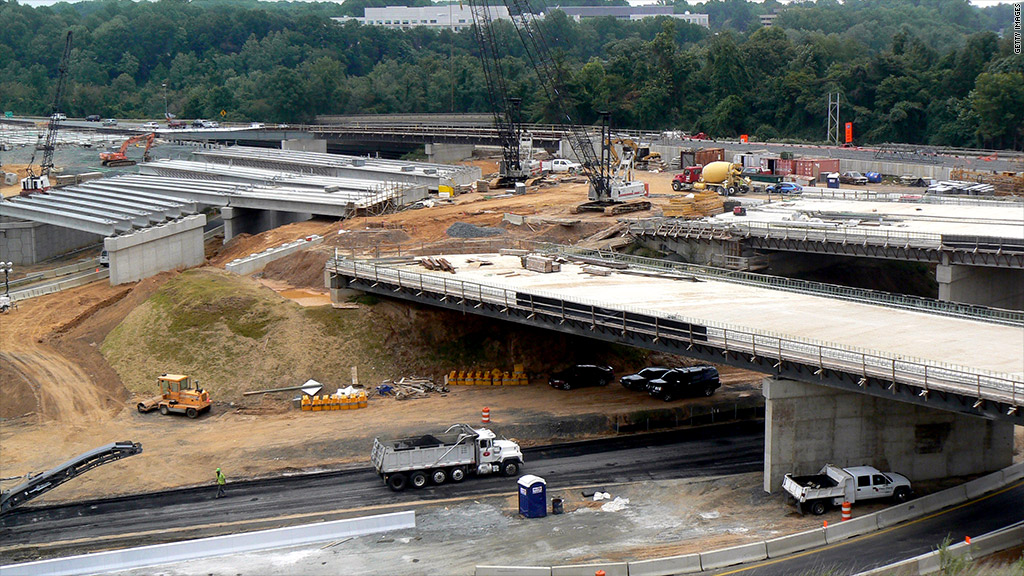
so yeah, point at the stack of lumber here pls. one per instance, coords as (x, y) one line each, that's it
(410, 387)
(695, 205)
(431, 263)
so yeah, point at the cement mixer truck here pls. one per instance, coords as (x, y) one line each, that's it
(725, 178)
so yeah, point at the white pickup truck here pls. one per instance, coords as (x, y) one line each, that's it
(560, 166)
(833, 485)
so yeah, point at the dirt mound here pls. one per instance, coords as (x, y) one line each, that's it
(302, 269)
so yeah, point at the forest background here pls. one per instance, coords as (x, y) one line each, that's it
(937, 72)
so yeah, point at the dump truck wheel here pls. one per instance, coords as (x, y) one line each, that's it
(141, 408)
(676, 186)
(510, 468)
(458, 474)
(438, 476)
(418, 479)
(397, 482)
(191, 412)
(164, 410)
(818, 507)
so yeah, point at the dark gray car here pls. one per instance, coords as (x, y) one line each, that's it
(681, 382)
(640, 380)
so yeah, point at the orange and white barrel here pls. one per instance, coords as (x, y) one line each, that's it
(485, 415)
(847, 511)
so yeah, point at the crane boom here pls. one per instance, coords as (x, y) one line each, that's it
(41, 182)
(504, 107)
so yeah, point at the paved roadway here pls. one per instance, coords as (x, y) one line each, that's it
(188, 513)
(913, 538)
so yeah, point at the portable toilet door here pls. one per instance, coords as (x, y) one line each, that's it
(533, 496)
(833, 180)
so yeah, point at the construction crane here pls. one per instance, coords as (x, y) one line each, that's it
(120, 158)
(38, 183)
(505, 108)
(41, 483)
(608, 193)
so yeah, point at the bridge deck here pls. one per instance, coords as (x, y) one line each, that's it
(968, 357)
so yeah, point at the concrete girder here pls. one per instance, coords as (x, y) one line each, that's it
(101, 226)
(135, 218)
(122, 210)
(130, 193)
(167, 210)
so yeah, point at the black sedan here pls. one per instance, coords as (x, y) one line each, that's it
(696, 380)
(582, 375)
(640, 380)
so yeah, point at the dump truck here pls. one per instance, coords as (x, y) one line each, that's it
(833, 485)
(458, 452)
(179, 394)
(726, 178)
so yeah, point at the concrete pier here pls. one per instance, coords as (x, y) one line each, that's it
(141, 254)
(807, 426)
(24, 242)
(252, 221)
(995, 287)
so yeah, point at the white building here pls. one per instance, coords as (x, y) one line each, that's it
(453, 16)
(632, 13)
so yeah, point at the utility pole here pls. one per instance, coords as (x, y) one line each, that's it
(166, 117)
(832, 137)
(7, 267)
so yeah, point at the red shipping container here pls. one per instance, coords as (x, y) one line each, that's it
(784, 167)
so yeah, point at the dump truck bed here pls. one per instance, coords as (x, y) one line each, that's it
(423, 452)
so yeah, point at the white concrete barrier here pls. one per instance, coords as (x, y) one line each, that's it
(997, 541)
(255, 262)
(685, 564)
(938, 501)
(842, 530)
(753, 552)
(783, 545)
(1013, 473)
(983, 485)
(131, 558)
(610, 569)
(512, 571)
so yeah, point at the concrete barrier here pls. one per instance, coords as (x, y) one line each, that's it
(939, 500)
(842, 530)
(984, 485)
(997, 541)
(610, 569)
(685, 564)
(256, 262)
(512, 571)
(59, 286)
(1013, 473)
(753, 552)
(783, 545)
(131, 558)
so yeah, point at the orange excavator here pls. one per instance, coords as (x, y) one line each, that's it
(119, 158)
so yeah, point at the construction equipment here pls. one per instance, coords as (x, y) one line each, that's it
(33, 182)
(179, 394)
(516, 145)
(41, 483)
(726, 178)
(607, 194)
(119, 158)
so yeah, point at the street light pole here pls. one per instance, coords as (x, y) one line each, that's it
(165, 100)
(8, 267)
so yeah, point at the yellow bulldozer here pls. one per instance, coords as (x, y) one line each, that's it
(178, 394)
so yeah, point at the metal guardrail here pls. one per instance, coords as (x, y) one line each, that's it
(889, 299)
(925, 374)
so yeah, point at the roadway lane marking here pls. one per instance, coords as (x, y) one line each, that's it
(872, 535)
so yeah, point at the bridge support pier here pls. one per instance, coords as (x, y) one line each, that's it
(447, 153)
(251, 221)
(808, 425)
(145, 252)
(996, 287)
(23, 242)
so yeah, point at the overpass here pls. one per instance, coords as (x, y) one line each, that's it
(957, 371)
(976, 245)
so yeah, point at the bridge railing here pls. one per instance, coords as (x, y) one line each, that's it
(926, 374)
(862, 295)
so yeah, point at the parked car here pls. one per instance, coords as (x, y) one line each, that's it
(853, 178)
(754, 171)
(92, 118)
(257, 125)
(582, 375)
(105, 258)
(680, 382)
(640, 380)
(786, 188)
(200, 123)
(59, 116)
(110, 122)
(150, 126)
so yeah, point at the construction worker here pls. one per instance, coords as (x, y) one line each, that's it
(221, 480)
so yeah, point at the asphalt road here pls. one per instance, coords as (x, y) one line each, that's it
(974, 518)
(46, 531)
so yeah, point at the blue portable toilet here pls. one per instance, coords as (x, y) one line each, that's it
(873, 177)
(533, 496)
(833, 180)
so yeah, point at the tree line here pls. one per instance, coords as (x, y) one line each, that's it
(939, 72)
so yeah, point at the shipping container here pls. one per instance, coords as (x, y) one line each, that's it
(701, 157)
(813, 168)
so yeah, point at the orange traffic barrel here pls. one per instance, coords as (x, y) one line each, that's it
(485, 415)
(847, 512)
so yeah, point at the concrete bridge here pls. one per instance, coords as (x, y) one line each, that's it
(837, 358)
